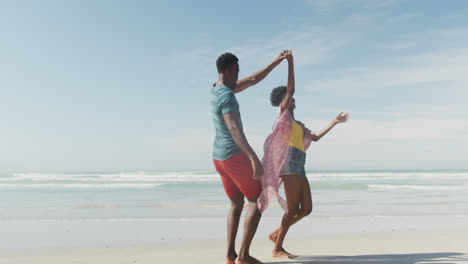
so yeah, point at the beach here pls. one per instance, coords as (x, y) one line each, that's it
(141, 217)
(118, 117)
(400, 247)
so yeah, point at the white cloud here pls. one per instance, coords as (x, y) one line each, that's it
(411, 129)
(402, 45)
(184, 148)
(311, 46)
(325, 5)
(329, 5)
(455, 14)
(404, 135)
(445, 66)
(380, 4)
(403, 18)
(391, 144)
(403, 143)
(452, 32)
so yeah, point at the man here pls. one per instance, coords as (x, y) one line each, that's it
(236, 162)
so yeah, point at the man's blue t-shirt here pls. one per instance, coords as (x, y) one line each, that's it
(223, 102)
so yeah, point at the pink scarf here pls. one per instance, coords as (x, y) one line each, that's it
(275, 151)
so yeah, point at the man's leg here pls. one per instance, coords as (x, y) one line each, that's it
(250, 227)
(237, 204)
(240, 170)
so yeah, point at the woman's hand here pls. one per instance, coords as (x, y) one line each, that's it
(341, 118)
(289, 55)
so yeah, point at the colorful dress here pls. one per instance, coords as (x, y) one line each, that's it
(275, 152)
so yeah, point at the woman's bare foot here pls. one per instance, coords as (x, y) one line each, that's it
(273, 236)
(282, 253)
(231, 259)
(248, 260)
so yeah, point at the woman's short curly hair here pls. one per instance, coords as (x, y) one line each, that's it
(277, 95)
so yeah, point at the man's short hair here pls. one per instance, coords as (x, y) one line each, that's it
(225, 61)
(277, 95)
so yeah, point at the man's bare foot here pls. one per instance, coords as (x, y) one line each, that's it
(273, 236)
(248, 260)
(282, 253)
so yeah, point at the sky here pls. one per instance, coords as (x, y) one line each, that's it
(124, 85)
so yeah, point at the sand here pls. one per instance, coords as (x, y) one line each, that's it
(398, 247)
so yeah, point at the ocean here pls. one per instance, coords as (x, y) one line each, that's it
(161, 207)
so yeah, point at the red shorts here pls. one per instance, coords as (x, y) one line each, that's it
(237, 176)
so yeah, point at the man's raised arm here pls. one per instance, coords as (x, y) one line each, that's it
(256, 77)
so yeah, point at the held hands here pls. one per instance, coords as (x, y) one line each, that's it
(341, 118)
(288, 54)
(283, 55)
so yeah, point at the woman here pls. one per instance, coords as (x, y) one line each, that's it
(284, 160)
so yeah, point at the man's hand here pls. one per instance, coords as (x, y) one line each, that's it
(341, 118)
(257, 167)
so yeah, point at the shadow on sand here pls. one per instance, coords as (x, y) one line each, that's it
(426, 258)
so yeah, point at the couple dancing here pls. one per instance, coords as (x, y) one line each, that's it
(243, 174)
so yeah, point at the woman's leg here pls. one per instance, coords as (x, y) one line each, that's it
(292, 188)
(305, 206)
(306, 201)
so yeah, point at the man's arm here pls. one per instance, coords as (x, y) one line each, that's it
(255, 78)
(291, 83)
(337, 120)
(232, 123)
